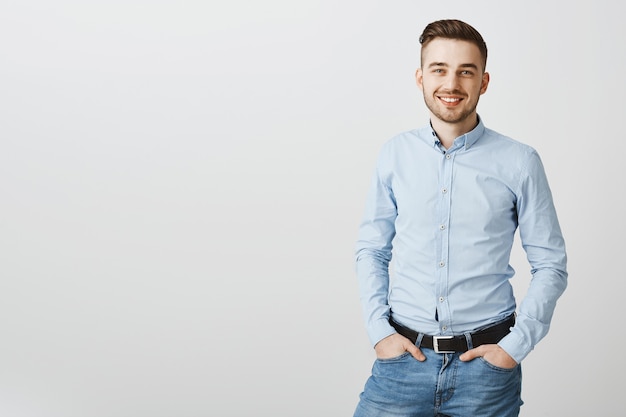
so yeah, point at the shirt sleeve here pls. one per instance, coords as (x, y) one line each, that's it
(544, 245)
(373, 253)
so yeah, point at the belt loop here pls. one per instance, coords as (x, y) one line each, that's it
(468, 338)
(418, 342)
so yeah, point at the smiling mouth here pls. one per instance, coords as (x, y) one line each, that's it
(450, 100)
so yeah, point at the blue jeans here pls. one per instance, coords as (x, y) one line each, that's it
(440, 386)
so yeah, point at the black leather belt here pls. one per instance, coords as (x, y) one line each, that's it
(451, 344)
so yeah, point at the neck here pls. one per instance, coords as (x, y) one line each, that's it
(448, 132)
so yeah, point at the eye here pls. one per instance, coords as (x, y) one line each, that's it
(467, 73)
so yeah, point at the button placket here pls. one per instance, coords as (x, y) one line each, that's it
(447, 164)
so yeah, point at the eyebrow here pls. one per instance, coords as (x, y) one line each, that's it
(443, 64)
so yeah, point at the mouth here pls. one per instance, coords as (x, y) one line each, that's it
(450, 101)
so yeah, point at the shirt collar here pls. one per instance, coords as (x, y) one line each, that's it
(466, 140)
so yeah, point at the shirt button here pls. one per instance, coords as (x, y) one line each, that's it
(448, 156)
(442, 227)
(445, 190)
(444, 328)
(441, 299)
(442, 264)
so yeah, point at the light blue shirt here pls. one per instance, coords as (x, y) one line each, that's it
(449, 218)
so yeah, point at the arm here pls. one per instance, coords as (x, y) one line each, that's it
(543, 242)
(373, 254)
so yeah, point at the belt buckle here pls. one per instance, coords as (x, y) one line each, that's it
(436, 344)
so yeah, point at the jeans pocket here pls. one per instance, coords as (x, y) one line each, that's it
(496, 368)
(398, 358)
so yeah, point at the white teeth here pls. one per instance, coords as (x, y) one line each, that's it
(450, 99)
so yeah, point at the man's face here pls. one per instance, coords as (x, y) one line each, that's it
(452, 79)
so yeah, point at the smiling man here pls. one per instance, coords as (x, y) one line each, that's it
(452, 80)
(445, 202)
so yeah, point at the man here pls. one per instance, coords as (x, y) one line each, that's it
(448, 198)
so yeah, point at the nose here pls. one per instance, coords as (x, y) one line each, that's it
(451, 82)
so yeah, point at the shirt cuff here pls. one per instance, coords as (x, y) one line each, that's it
(515, 346)
(379, 329)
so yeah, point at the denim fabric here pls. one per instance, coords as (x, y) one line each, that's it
(440, 386)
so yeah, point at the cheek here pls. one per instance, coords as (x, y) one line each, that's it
(426, 85)
(478, 88)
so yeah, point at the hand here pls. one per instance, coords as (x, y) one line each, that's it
(395, 345)
(493, 354)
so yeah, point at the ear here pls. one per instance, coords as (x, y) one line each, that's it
(419, 79)
(485, 83)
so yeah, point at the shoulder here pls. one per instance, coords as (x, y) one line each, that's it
(506, 143)
(514, 153)
(403, 141)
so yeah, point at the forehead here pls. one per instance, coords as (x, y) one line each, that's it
(452, 52)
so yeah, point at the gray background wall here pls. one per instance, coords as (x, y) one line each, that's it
(181, 184)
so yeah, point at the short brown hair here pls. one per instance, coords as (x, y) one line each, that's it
(454, 29)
